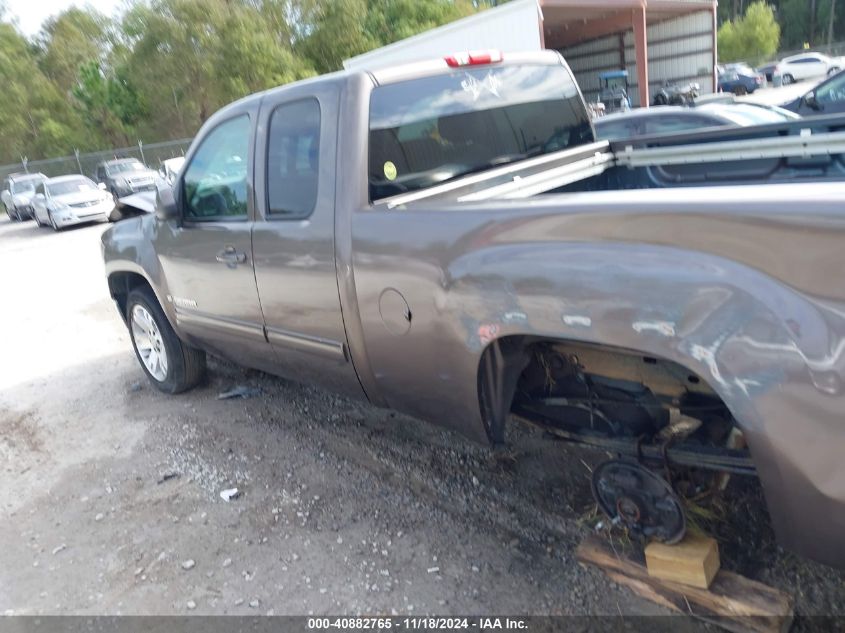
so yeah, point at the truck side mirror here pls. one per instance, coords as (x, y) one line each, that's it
(101, 185)
(811, 102)
(165, 207)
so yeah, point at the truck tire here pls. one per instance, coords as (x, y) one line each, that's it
(171, 365)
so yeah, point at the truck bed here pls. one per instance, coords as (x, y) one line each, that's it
(811, 150)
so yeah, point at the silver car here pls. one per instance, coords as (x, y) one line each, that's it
(17, 193)
(68, 200)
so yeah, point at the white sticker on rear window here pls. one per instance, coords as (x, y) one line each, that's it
(490, 83)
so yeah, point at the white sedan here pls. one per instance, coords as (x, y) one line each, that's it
(69, 200)
(806, 66)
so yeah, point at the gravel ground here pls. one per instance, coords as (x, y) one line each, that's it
(110, 498)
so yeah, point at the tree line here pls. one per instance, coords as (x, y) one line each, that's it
(754, 30)
(89, 82)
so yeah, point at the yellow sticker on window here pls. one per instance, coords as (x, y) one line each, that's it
(390, 170)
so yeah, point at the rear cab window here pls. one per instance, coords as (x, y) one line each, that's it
(429, 130)
(293, 153)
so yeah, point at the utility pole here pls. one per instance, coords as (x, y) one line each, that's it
(830, 24)
(812, 22)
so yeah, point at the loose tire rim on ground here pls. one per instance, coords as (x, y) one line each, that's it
(147, 337)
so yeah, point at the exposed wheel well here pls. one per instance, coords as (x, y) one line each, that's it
(121, 284)
(608, 397)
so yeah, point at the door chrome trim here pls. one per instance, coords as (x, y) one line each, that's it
(185, 316)
(311, 344)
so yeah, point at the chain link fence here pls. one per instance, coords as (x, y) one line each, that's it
(152, 155)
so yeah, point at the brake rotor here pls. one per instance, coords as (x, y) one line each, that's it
(642, 501)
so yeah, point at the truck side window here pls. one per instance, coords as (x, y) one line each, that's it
(293, 153)
(215, 184)
(833, 91)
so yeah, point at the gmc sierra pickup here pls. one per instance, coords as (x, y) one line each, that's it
(449, 240)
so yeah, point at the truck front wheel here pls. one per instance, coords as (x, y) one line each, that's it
(171, 365)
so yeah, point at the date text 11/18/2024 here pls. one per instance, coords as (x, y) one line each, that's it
(417, 623)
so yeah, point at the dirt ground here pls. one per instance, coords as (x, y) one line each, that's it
(110, 504)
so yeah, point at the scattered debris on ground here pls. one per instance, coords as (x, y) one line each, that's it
(240, 391)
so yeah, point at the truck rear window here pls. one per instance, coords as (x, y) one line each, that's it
(426, 131)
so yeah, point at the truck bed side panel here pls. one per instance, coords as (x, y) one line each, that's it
(740, 285)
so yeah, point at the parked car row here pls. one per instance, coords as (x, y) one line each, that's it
(740, 78)
(75, 199)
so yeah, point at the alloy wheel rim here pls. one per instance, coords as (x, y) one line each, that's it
(148, 342)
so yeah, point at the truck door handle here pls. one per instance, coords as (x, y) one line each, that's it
(231, 257)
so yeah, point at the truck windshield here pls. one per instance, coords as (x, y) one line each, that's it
(430, 130)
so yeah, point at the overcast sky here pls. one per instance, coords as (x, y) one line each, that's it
(31, 13)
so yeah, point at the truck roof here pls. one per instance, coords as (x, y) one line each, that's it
(400, 72)
(414, 70)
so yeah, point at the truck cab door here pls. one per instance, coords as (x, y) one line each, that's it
(293, 239)
(827, 98)
(206, 255)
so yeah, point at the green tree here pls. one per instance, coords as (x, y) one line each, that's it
(35, 120)
(70, 40)
(190, 57)
(392, 20)
(253, 55)
(167, 65)
(108, 103)
(338, 29)
(338, 32)
(753, 37)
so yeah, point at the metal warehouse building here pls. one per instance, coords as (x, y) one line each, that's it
(656, 41)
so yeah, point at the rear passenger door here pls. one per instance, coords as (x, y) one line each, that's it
(294, 238)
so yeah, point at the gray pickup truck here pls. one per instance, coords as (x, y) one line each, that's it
(449, 240)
